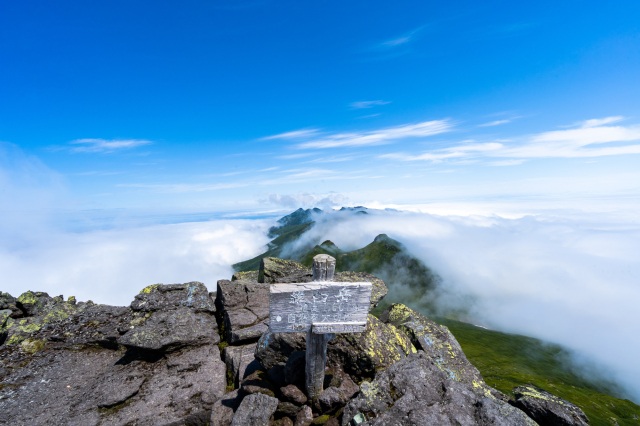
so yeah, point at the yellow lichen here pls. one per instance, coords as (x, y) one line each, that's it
(27, 298)
(32, 346)
(148, 289)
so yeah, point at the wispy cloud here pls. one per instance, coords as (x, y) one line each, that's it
(91, 145)
(183, 187)
(401, 40)
(368, 104)
(378, 136)
(295, 134)
(495, 123)
(592, 138)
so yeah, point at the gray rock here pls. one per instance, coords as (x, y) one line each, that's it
(8, 303)
(293, 394)
(416, 391)
(166, 330)
(244, 309)
(274, 349)
(304, 416)
(434, 339)
(223, 408)
(546, 408)
(275, 270)
(82, 375)
(256, 410)
(192, 295)
(237, 360)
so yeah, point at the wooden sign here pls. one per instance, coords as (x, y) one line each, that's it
(320, 308)
(298, 307)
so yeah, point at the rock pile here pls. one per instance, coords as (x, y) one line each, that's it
(179, 355)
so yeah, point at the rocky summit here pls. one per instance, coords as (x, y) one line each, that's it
(179, 355)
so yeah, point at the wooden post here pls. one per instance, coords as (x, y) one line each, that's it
(319, 308)
(324, 267)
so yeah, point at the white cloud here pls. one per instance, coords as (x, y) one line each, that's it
(308, 200)
(294, 134)
(379, 136)
(594, 138)
(495, 123)
(90, 145)
(368, 104)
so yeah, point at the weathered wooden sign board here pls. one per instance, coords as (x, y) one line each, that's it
(322, 307)
(319, 308)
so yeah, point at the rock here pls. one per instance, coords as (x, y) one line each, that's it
(193, 295)
(255, 410)
(287, 409)
(294, 369)
(434, 339)
(8, 303)
(546, 408)
(222, 410)
(304, 416)
(334, 398)
(243, 307)
(245, 276)
(378, 288)
(362, 354)
(275, 348)
(275, 270)
(258, 382)
(240, 361)
(64, 362)
(415, 391)
(293, 394)
(166, 330)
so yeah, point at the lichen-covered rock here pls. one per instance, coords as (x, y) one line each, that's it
(176, 328)
(546, 408)
(244, 309)
(64, 363)
(362, 354)
(256, 410)
(275, 270)
(415, 391)
(378, 288)
(436, 340)
(193, 295)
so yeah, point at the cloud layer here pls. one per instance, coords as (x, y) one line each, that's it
(571, 281)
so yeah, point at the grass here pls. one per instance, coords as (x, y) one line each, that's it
(508, 360)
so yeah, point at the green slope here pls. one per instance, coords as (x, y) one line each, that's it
(508, 360)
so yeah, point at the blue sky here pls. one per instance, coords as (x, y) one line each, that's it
(257, 105)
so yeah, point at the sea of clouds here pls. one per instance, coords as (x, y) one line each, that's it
(569, 280)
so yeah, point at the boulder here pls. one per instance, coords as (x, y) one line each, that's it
(193, 295)
(435, 340)
(8, 306)
(546, 408)
(362, 354)
(240, 361)
(243, 309)
(275, 270)
(256, 410)
(64, 361)
(415, 391)
(167, 330)
(223, 409)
